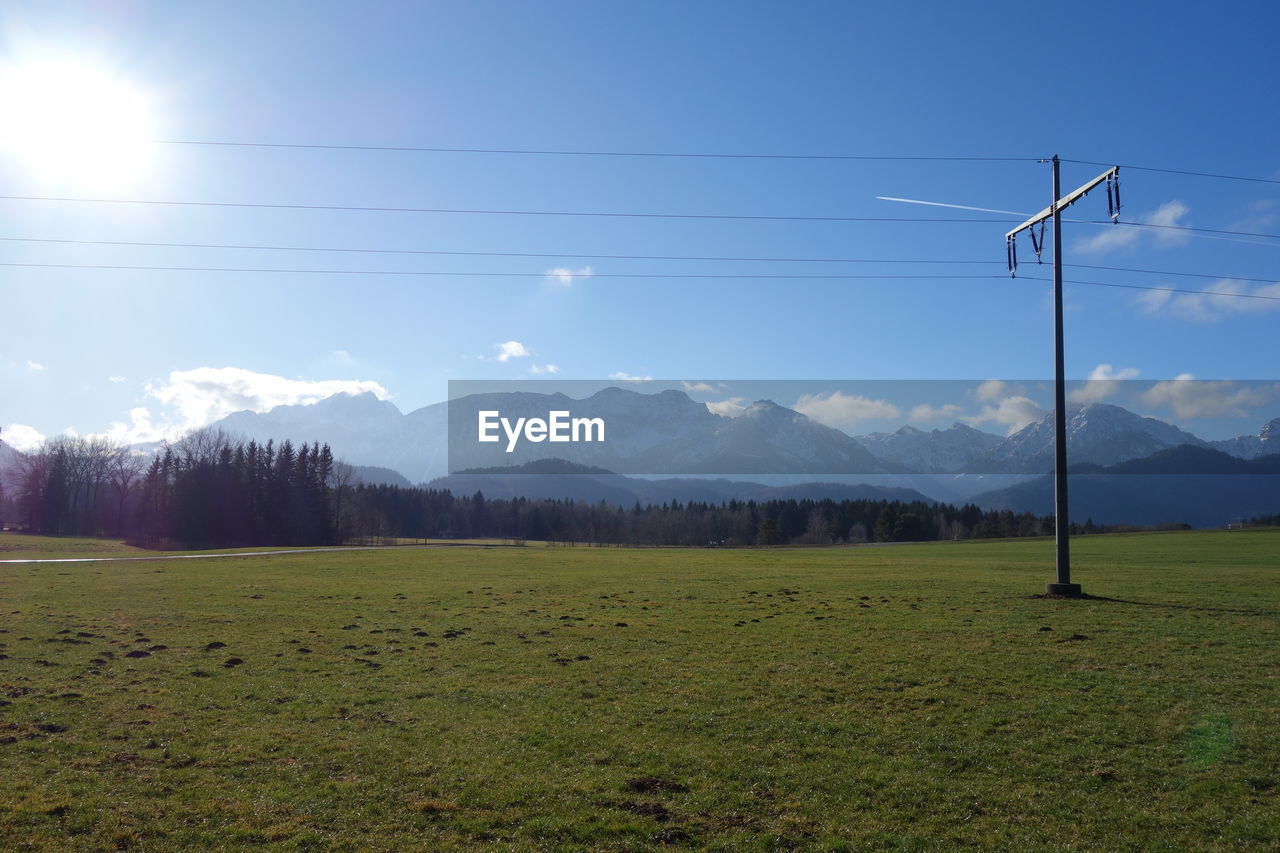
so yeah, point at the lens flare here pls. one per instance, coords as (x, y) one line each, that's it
(70, 124)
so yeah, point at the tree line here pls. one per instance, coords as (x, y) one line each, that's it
(213, 490)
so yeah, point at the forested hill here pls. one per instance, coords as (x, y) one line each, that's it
(213, 491)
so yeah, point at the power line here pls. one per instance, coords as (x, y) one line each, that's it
(606, 214)
(1207, 233)
(1177, 172)
(486, 254)
(1178, 228)
(750, 276)
(1161, 289)
(365, 209)
(435, 273)
(1172, 272)
(586, 153)
(689, 155)
(579, 255)
(694, 155)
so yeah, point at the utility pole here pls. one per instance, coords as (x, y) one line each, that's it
(1111, 177)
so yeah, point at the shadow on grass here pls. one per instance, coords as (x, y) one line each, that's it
(1194, 607)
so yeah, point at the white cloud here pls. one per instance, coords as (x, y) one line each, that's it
(1259, 216)
(730, 408)
(115, 380)
(198, 397)
(205, 394)
(1153, 300)
(1103, 382)
(924, 413)
(1189, 398)
(565, 277)
(992, 389)
(1169, 214)
(544, 368)
(1013, 412)
(1223, 299)
(842, 411)
(1110, 238)
(511, 349)
(140, 430)
(341, 355)
(623, 376)
(700, 387)
(22, 437)
(34, 365)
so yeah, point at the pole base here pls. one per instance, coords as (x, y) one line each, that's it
(1067, 590)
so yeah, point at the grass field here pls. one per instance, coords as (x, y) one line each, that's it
(22, 546)
(914, 697)
(15, 546)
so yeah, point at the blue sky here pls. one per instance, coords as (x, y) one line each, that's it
(1173, 85)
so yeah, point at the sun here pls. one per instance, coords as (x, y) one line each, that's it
(68, 123)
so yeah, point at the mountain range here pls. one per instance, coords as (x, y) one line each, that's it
(939, 451)
(665, 433)
(359, 428)
(560, 480)
(8, 466)
(1186, 484)
(1098, 433)
(772, 451)
(669, 433)
(8, 456)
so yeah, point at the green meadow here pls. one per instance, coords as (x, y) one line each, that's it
(913, 697)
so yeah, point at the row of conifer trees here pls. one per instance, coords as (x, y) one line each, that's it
(212, 490)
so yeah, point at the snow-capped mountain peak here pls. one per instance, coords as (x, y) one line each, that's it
(1098, 433)
(1267, 441)
(934, 452)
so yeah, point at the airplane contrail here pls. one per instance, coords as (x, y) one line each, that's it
(953, 206)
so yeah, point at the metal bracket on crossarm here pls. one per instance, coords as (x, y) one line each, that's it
(1111, 178)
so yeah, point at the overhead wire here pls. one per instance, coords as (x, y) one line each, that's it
(253, 247)
(1175, 171)
(1161, 289)
(701, 155)
(607, 214)
(613, 214)
(584, 256)
(494, 212)
(591, 153)
(1178, 228)
(1174, 273)
(472, 273)
(732, 276)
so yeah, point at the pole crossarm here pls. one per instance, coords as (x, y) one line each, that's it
(1066, 201)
